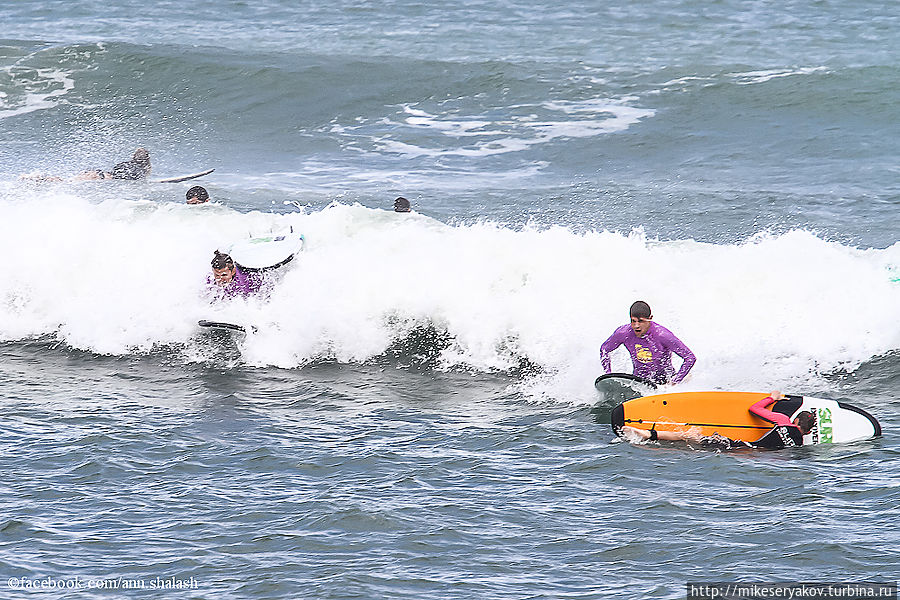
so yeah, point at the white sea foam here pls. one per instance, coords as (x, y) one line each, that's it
(530, 125)
(119, 276)
(313, 177)
(752, 77)
(36, 89)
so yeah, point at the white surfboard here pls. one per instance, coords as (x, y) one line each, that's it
(181, 178)
(837, 422)
(267, 252)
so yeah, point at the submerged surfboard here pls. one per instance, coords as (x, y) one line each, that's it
(181, 178)
(222, 331)
(616, 388)
(269, 252)
(233, 330)
(221, 326)
(728, 414)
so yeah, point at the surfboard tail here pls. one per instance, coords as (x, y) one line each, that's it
(181, 178)
(617, 419)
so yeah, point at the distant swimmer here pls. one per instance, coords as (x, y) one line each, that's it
(229, 280)
(786, 433)
(197, 195)
(651, 346)
(401, 204)
(136, 168)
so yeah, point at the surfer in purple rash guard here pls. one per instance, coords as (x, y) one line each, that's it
(229, 280)
(651, 346)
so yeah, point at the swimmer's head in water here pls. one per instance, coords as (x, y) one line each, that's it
(197, 195)
(401, 204)
(223, 268)
(141, 156)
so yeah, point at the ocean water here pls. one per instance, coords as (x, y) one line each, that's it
(412, 416)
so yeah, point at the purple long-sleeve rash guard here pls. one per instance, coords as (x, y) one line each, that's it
(242, 285)
(651, 354)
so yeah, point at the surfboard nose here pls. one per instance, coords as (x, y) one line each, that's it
(617, 419)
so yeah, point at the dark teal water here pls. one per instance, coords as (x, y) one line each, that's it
(412, 418)
(340, 481)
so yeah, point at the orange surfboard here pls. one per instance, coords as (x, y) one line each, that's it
(728, 414)
(725, 413)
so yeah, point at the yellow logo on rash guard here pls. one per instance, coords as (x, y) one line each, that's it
(643, 354)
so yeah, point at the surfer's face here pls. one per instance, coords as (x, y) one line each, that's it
(223, 276)
(640, 325)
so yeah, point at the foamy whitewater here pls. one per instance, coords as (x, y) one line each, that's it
(121, 277)
(410, 414)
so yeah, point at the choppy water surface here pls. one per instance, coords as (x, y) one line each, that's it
(373, 481)
(412, 417)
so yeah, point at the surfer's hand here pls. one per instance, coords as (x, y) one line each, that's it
(776, 395)
(635, 432)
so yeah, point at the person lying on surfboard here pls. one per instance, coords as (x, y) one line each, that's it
(651, 346)
(229, 281)
(786, 433)
(138, 167)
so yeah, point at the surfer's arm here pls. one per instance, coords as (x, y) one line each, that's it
(611, 343)
(761, 410)
(654, 434)
(687, 357)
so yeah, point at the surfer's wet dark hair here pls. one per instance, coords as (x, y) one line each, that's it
(641, 310)
(197, 192)
(141, 156)
(806, 420)
(222, 261)
(401, 204)
(136, 168)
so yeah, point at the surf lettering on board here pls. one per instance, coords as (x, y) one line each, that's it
(825, 429)
(265, 240)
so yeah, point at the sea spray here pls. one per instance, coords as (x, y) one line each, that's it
(124, 277)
